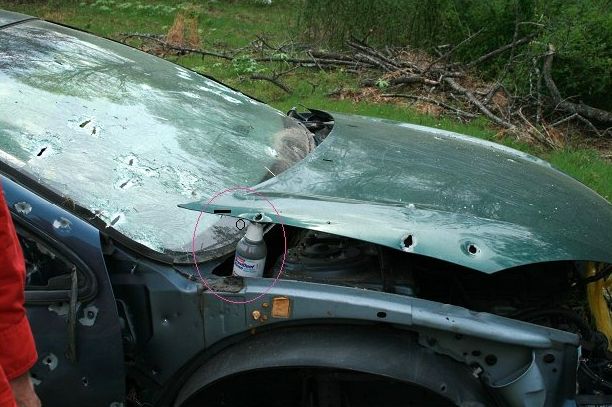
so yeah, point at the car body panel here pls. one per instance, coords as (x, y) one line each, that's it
(10, 17)
(352, 348)
(460, 199)
(95, 374)
(446, 329)
(143, 132)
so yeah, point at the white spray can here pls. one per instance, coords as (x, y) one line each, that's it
(251, 252)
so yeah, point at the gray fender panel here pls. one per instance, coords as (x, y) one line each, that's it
(375, 350)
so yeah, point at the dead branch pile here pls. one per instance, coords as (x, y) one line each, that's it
(407, 74)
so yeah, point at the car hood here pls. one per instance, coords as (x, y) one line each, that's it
(434, 193)
(10, 17)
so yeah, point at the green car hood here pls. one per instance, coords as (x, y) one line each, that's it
(434, 193)
(10, 17)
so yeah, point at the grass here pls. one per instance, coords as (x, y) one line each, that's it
(585, 165)
(234, 24)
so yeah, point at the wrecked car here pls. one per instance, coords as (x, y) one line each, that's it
(405, 265)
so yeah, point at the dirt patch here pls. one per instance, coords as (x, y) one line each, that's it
(184, 32)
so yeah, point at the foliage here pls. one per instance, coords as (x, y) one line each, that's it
(245, 64)
(382, 83)
(586, 166)
(582, 33)
(138, 6)
(581, 30)
(382, 21)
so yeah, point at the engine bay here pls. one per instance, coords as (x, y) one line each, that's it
(552, 294)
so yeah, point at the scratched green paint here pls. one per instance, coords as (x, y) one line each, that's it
(461, 199)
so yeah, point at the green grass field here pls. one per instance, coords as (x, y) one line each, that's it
(225, 25)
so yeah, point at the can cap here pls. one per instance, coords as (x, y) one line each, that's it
(254, 232)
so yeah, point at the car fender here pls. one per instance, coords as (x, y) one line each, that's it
(514, 360)
(396, 354)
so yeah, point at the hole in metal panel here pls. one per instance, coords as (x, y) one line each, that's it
(62, 224)
(50, 361)
(491, 360)
(408, 242)
(23, 208)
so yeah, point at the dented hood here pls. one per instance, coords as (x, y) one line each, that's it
(433, 193)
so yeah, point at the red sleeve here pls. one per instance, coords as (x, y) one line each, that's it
(17, 349)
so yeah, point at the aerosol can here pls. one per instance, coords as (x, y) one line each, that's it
(251, 252)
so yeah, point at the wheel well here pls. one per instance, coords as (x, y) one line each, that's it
(298, 386)
(385, 355)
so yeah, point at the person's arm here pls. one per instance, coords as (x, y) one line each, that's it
(17, 348)
(6, 393)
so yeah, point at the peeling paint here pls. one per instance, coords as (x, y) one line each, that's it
(408, 242)
(62, 224)
(23, 208)
(90, 127)
(471, 248)
(50, 361)
(90, 313)
(271, 152)
(61, 308)
(117, 219)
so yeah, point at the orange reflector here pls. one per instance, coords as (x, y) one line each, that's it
(281, 307)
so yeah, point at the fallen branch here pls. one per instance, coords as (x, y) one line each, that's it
(272, 79)
(581, 109)
(583, 120)
(167, 45)
(535, 133)
(432, 101)
(315, 61)
(308, 62)
(384, 61)
(499, 50)
(566, 119)
(402, 80)
(373, 61)
(474, 100)
(452, 50)
(330, 55)
(435, 77)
